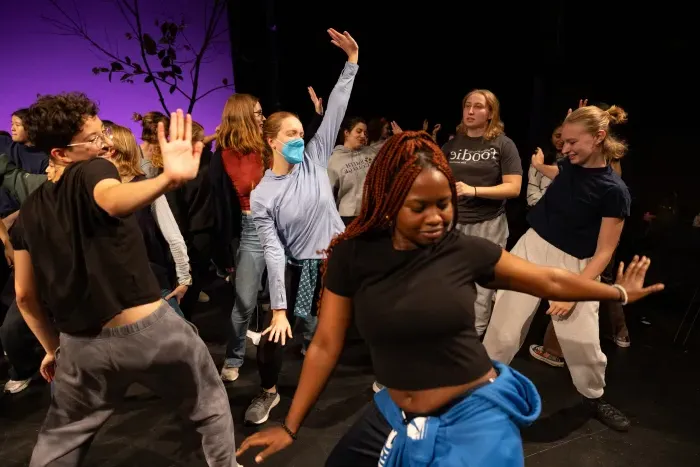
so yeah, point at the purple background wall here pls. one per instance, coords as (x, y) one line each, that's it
(38, 61)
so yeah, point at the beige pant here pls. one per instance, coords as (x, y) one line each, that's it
(577, 332)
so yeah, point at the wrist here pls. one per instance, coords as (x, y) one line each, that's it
(293, 426)
(352, 58)
(623, 298)
(166, 182)
(292, 433)
(282, 311)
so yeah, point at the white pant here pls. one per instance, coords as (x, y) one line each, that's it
(578, 333)
(495, 230)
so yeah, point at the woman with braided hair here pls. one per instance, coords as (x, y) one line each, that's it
(409, 277)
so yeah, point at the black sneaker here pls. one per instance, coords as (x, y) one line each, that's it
(607, 414)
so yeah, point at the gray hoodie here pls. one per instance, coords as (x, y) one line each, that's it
(347, 170)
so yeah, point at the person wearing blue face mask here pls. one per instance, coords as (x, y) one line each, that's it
(296, 218)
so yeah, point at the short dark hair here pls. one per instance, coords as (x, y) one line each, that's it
(21, 114)
(54, 120)
(348, 125)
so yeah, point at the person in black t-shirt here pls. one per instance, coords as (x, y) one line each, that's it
(409, 278)
(576, 226)
(79, 250)
(488, 170)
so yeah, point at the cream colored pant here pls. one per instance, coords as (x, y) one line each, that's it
(578, 332)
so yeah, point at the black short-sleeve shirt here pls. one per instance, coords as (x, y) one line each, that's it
(572, 209)
(415, 308)
(88, 265)
(481, 162)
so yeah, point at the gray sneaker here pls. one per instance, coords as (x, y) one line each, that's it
(259, 410)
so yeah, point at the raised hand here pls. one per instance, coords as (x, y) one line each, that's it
(425, 125)
(273, 439)
(436, 128)
(318, 101)
(632, 279)
(395, 129)
(538, 158)
(581, 103)
(345, 42)
(180, 157)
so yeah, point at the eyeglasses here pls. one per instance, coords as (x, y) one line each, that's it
(258, 113)
(98, 139)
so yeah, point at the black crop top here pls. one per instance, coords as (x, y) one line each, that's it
(415, 308)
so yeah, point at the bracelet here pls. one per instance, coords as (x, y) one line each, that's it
(289, 432)
(474, 192)
(623, 293)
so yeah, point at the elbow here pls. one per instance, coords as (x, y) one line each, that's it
(24, 297)
(514, 191)
(554, 283)
(109, 207)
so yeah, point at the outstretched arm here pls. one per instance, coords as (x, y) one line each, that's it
(514, 273)
(180, 164)
(321, 357)
(321, 145)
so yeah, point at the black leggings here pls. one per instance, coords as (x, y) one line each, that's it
(271, 354)
(363, 442)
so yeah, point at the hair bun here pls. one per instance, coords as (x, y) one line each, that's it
(617, 115)
(137, 117)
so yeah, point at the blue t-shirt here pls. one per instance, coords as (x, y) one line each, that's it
(570, 213)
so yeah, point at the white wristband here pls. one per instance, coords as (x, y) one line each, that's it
(623, 292)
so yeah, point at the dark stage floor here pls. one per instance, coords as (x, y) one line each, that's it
(653, 382)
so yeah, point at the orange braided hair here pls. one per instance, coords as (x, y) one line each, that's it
(388, 181)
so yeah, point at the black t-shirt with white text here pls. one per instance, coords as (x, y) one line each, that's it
(481, 163)
(415, 308)
(88, 265)
(572, 209)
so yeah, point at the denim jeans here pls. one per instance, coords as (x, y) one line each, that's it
(250, 265)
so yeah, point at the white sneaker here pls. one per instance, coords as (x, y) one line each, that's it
(13, 387)
(229, 374)
(203, 298)
(254, 336)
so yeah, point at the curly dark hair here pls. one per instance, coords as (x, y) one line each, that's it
(53, 120)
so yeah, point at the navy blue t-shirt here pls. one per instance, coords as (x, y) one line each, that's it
(570, 213)
(23, 157)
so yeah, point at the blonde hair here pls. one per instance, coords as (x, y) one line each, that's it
(127, 156)
(595, 119)
(197, 132)
(239, 130)
(149, 133)
(495, 126)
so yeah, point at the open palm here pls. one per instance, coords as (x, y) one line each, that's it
(180, 157)
(345, 42)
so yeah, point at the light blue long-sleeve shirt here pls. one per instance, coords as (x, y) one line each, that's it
(295, 214)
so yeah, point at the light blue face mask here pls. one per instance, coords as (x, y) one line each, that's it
(293, 150)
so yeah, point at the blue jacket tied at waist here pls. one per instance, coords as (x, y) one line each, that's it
(480, 430)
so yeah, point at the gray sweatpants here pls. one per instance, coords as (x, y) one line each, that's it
(162, 352)
(495, 230)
